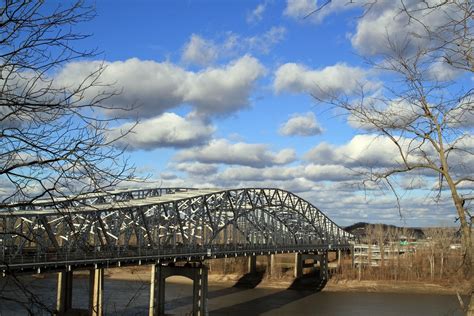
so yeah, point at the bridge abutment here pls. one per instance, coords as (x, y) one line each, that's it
(196, 272)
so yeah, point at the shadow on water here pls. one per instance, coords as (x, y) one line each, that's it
(177, 302)
(300, 288)
(309, 282)
(247, 281)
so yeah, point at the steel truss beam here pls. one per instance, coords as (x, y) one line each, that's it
(156, 222)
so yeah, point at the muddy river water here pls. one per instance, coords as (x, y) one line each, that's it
(132, 298)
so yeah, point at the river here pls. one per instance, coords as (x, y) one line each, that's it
(132, 298)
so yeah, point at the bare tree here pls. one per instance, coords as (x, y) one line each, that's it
(54, 138)
(427, 116)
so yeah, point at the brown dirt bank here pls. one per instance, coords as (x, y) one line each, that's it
(142, 274)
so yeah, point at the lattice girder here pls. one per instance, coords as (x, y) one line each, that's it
(128, 223)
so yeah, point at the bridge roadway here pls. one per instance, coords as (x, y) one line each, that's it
(161, 226)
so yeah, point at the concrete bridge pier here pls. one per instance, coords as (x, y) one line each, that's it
(96, 291)
(309, 260)
(323, 265)
(64, 294)
(196, 272)
(298, 265)
(271, 265)
(252, 264)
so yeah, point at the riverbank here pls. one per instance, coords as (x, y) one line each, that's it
(142, 274)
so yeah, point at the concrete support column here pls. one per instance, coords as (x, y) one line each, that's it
(64, 294)
(96, 289)
(252, 264)
(298, 265)
(271, 265)
(157, 291)
(200, 291)
(323, 265)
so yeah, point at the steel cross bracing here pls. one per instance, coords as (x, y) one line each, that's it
(161, 224)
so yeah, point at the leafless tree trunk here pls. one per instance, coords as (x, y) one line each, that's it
(425, 116)
(54, 138)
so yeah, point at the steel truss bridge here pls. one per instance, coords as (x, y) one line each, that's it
(161, 225)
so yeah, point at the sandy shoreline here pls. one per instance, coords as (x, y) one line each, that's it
(143, 275)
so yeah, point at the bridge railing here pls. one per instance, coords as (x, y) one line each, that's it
(98, 256)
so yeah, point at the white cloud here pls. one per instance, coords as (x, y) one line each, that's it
(362, 150)
(336, 79)
(315, 11)
(375, 153)
(462, 115)
(440, 70)
(202, 51)
(223, 90)
(260, 174)
(199, 51)
(311, 172)
(265, 42)
(298, 9)
(166, 130)
(244, 154)
(301, 125)
(397, 114)
(329, 172)
(256, 14)
(384, 20)
(196, 168)
(155, 87)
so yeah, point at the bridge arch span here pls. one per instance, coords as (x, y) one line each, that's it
(163, 224)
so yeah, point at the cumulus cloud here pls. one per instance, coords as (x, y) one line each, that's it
(154, 87)
(166, 130)
(196, 168)
(384, 19)
(244, 154)
(395, 114)
(301, 125)
(440, 70)
(309, 172)
(199, 51)
(371, 152)
(260, 174)
(340, 78)
(462, 115)
(362, 150)
(329, 172)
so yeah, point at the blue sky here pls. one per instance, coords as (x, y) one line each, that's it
(224, 93)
